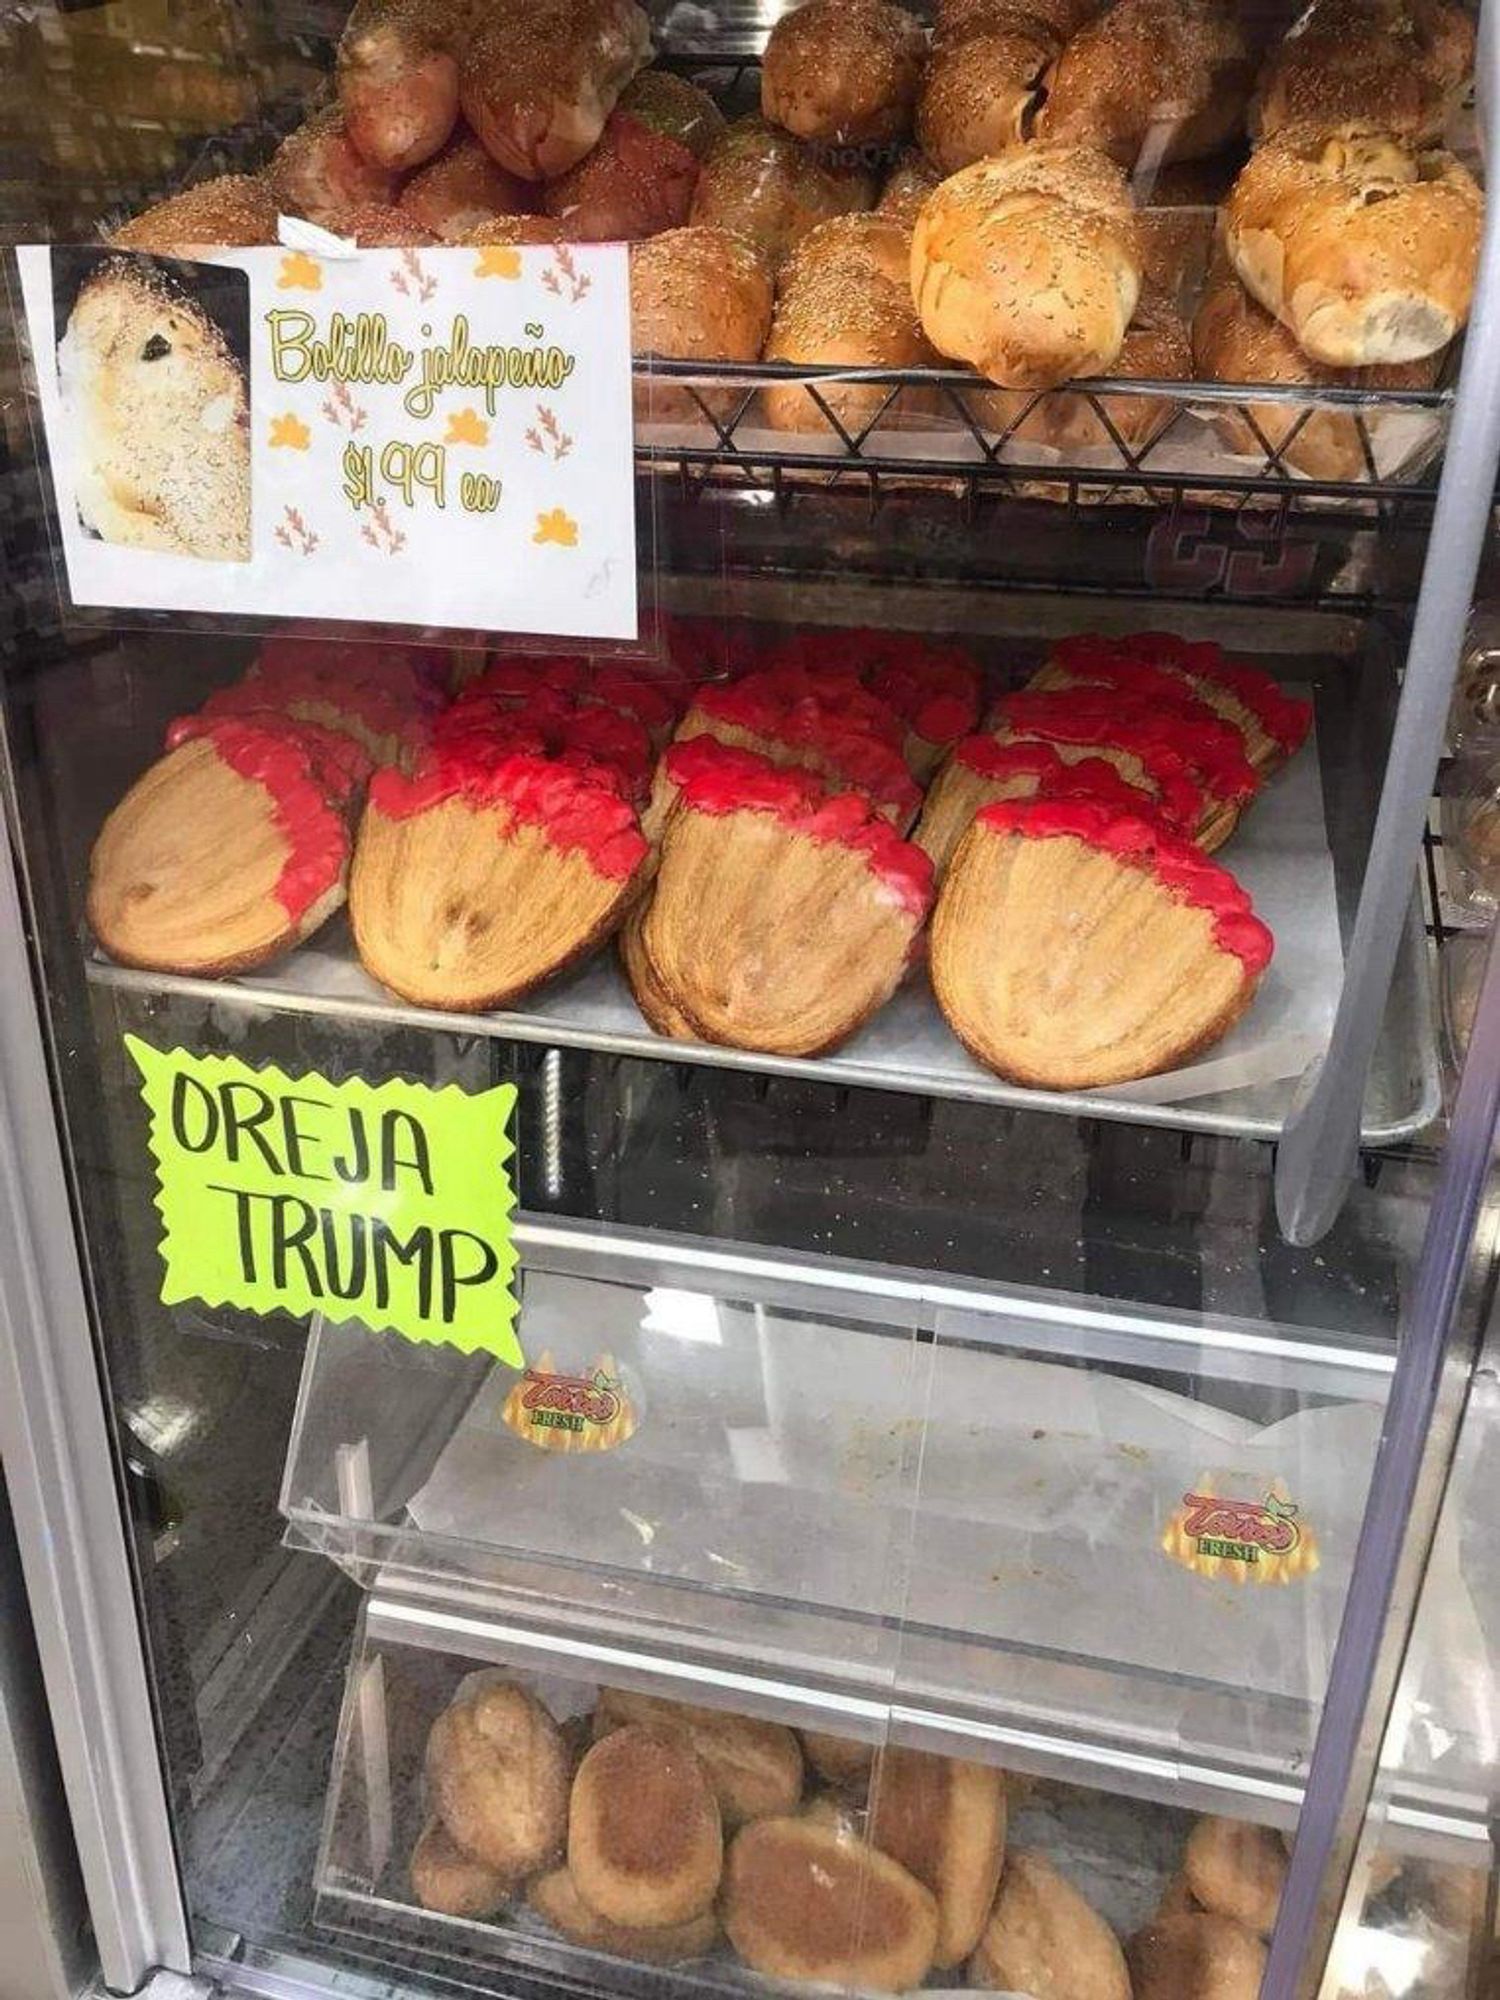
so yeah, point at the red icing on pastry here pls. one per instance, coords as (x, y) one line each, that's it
(577, 815)
(339, 764)
(1177, 790)
(315, 832)
(1284, 718)
(1180, 867)
(512, 678)
(418, 674)
(829, 726)
(653, 703)
(715, 778)
(757, 701)
(1211, 748)
(1089, 777)
(550, 723)
(1095, 662)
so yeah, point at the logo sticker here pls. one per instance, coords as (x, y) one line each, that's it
(590, 1411)
(1249, 1541)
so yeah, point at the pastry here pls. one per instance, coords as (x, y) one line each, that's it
(610, 746)
(782, 919)
(754, 1767)
(647, 991)
(318, 172)
(639, 179)
(229, 211)
(397, 74)
(1043, 1939)
(981, 772)
(983, 83)
(844, 72)
(935, 690)
(556, 1900)
(497, 1777)
(1156, 348)
(462, 190)
(229, 850)
(539, 79)
(907, 186)
(696, 294)
(444, 1878)
(1144, 754)
(840, 1760)
(944, 1821)
(1401, 63)
(1236, 1870)
(372, 694)
(760, 183)
(645, 1843)
(1027, 266)
(1148, 81)
(157, 415)
(844, 301)
(1364, 248)
(1200, 1957)
(1073, 948)
(804, 1900)
(478, 878)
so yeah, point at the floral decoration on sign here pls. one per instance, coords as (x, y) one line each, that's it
(412, 279)
(556, 526)
(498, 260)
(549, 438)
(381, 532)
(293, 533)
(563, 277)
(300, 273)
(289, 433)
(343, 412)
(466, 427)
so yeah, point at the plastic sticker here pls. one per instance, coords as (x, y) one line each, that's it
(386, 1203)
(593, 1410)
(1249, 1541)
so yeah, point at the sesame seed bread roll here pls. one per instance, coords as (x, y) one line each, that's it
(539, 79)
(983, 84)
(230, 211)
(1027, 266)
(397, 73)
(462, 190)
(761, 183)
(696, 294)
(1362, 247)
(1159, 79)
(1042, 1938)
(1196, 1957)
(844, 301)
(645, 1841)
(1157, 348)
(375, 227)
(556, 1900)
(944, 1820)
(497, 1775)
(1401, 64)
(844, 71)
(317, 171)
(1061, 17)
(1235, 340)
(907, 186)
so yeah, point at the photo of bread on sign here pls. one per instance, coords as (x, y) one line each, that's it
(153, 375)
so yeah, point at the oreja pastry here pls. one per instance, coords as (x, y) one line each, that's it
(556, 1900)
(696, 294)
(462, 190)
(843, 71)
(1196, 1957)
(318, 172)
(229, 211)
(444, 1878)
(397, 73)
(981, 772)
(374, 695)
(803, 1900)
(754, 1767)
(497, 1777)
(1237, 1870)
(1150, 81)
(782, 919)
(944, 1821)
(761, 183)
(1027, 266)
(1402, 63)
(539, 79)
(936, 690)
(1043, 1939)
(1073, 948)
(1142, 750)
(228, 851)
(983, 82)
(1363, 247)
(839, 1760)
(475, 880)
(645, 1843)
(158, 417)
(646, 989)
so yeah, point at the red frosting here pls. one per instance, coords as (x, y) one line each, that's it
(508, 677)
(1211, 748)
(415, 674)
(340, 765)
(714, 778)
(824, 725)
(1090, 777)
(550, 723)
(1284, 718)
(315, 832)
(758, 700)
(654, 703)
(1177, 789)
(1181, 868)
(577, 815)
(1095, 662)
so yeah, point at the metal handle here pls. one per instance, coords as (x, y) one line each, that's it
(1320, 1146)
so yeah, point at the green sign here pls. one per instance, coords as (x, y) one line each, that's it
(388, 1203)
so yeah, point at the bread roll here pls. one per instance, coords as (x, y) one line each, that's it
(462, 190)
(1196, 1958)
(374, 226)
(1235, 341)
(754, 1767)
(1027, 266)
(907, 186)
(639, 179)
(840, 1760)
(1236, 1870)
(944, 1821)
(397, 77)
(497, 1775)
(1393, 63)
(556, 1900)
(317, 171)
(444, 1878)
(1061, 18)
(1150, 79)
(844, 301)
(761, 183)
(843, 71)
(502, 229)
(539, 79)
(230, 211)
(696, 294)
(1044, 1940)
(983, 84)
(1365, 249)
(645, 1842)
(803, 1900)
(1156, 348)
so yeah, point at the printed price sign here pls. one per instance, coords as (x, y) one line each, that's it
(387, 1203)
(431, 437)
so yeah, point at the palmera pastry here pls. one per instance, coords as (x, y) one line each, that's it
(476, 879)
(981, 772)
(1142, 753)
(1363, 247)
(380, 702)
(1073, 948)
(660, 1012)
(229, 850)
(497, 1777)
(462, 190)
(1149, 81)
(696, 294)
(1196, 1957)
(936, 691)
(843, 71)
(556, 1900)
(444, 1878)
(760, 183)
(804, 1900)
(540, 78)
(1236, 1870)
(606, 745)
(754, 1767)
(319, 173)
(639, 179)
(1402, 63)
(1027, 266)
(782, 919)
(645, 1841)
(229, 211)
(1043, 1939)
(944, 1821)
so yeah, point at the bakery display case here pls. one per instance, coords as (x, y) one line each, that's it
(748, 1072)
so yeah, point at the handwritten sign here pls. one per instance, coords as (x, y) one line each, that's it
(387, 1203)
(433, 437)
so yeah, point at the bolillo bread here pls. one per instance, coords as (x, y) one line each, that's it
(944, 1820)
(1399, 63)
(318, 172)
(230, 210)
(538, 80)
(907, 186)
(1043, 1939)
(696, 294)
(462, 190)
(761, 183)
(844, 72)
(983, 82)
(1150, 81)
